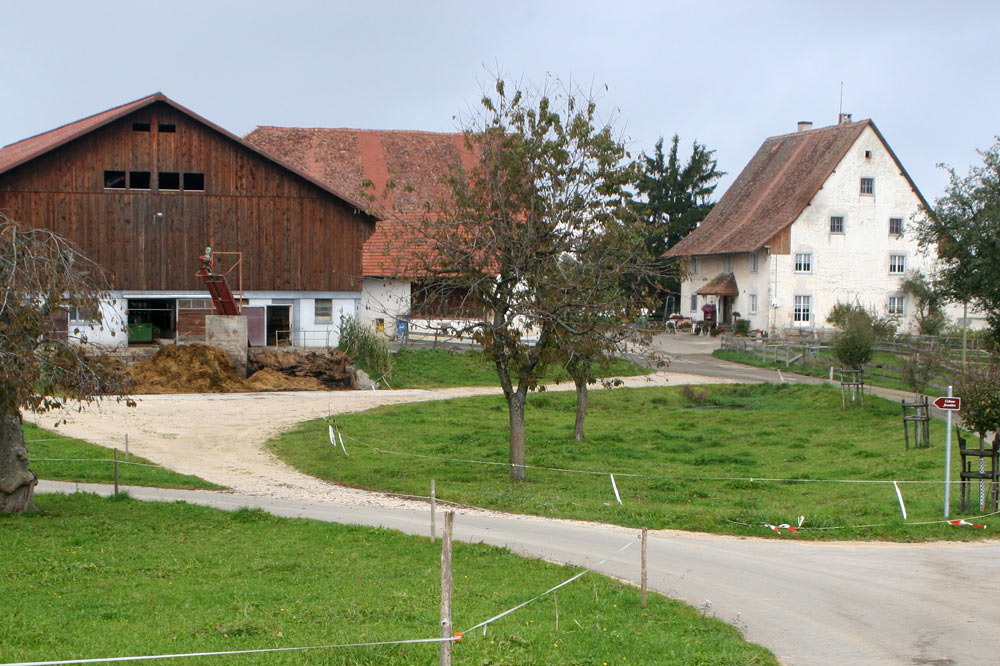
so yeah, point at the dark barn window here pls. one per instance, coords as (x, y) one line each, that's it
(170, 180)
(140, 127)
(194, 182)
(167, 127)
(138, 180)
(114, 180)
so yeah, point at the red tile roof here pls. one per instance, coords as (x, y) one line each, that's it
(413, 163)
(774, 188)
(23, 151)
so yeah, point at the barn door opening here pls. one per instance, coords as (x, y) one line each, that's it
(279, 325)
(151, 318)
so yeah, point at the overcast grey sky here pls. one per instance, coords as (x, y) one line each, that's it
(728, 74)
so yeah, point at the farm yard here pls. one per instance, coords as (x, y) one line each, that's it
(219, 438)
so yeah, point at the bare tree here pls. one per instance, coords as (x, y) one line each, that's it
(43, 365)
(521, 238)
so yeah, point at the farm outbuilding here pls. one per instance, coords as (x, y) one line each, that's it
(143, 188)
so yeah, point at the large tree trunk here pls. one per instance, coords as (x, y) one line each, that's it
(581, 408)
(17, 482)
(515, 409)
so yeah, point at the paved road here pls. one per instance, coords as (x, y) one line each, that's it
(811, 603)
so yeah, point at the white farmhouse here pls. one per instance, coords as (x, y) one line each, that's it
(817, 217)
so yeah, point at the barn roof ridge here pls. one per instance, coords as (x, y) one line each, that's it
(20, 152)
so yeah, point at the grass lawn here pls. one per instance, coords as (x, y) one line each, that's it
(95, 577)
(441, 368)
(890, 362)
(77, 460)
(696, 461)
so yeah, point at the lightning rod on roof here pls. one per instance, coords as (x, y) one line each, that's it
(840, 111)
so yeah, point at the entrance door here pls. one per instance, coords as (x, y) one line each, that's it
(727, 310)
(279, 325)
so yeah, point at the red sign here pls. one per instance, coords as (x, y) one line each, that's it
(948, 404)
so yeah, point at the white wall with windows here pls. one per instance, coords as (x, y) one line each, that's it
(855, 242)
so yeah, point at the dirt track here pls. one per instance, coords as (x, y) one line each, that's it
(220, 437)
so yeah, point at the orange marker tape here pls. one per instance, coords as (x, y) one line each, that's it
(458, 637)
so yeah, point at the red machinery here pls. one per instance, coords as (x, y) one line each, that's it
(218, 286)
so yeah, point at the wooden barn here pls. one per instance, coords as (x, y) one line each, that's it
(145, 187)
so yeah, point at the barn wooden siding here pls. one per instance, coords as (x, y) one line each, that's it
(293, 234)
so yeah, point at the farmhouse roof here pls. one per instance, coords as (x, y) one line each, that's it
(400, 171)
(21, 152)
(774, 188)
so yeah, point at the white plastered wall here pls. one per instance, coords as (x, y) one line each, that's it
(851, 267)
(385, 299)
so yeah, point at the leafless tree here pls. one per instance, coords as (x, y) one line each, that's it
(43, 366)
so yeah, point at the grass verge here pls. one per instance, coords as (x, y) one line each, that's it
(441, 368)
(96, 577)
(705, 459)
(76, 460)
(886, 360)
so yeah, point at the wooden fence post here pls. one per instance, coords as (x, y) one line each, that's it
(446, 628)
(126, 447)
(433, 512)
(116, 471)
(643, 567)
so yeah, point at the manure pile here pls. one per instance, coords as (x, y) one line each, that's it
(202, 369)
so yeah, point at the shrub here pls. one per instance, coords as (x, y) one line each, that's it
(696, 396)
(853, 345)
(742, 327)
(921, 368)
(365, 347)
(980, 392)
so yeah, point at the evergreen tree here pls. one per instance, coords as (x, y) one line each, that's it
(675, 197)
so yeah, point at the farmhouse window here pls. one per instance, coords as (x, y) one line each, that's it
(896, 226)
(836, 224)
(896, 305)
(753, 262)
(803, 262)
(694, 265)
(694, 302)
(169, 180)
(867, 186)
(114, 180)
(803, 309)
(897, 264)
(323, 310)
(753, 303)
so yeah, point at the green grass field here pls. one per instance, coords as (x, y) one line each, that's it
(56, 457)
(704, 467)
(441, 368)
(888, 360)
(94, 577)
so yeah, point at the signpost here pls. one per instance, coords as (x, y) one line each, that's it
(948, 404)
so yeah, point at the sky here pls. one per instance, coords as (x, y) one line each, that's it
(726, 74)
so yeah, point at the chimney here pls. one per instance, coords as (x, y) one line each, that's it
(844, 119)
(805, 125)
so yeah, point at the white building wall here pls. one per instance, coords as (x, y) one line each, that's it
(853, 266)
(305, 331)
(385, 299)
